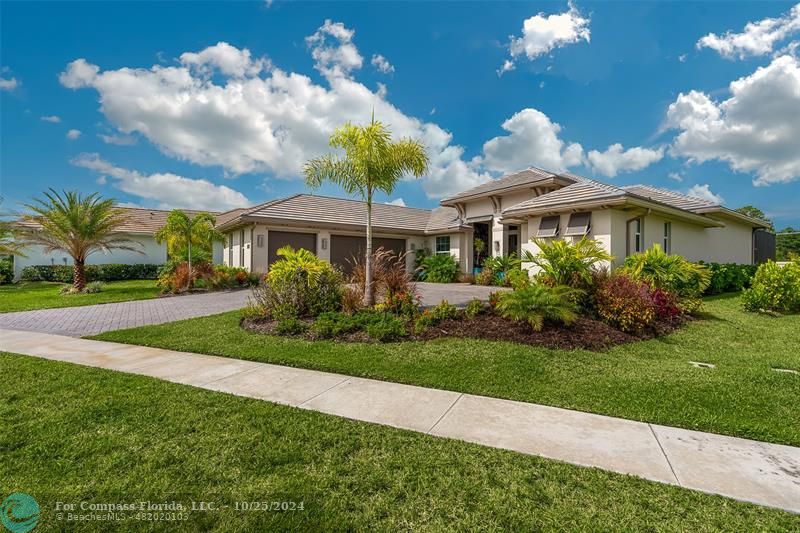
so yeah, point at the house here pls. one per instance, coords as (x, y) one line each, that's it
(505, 214)
(335, 230)
(140, 225)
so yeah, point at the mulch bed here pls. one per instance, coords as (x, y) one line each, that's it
(585, 333)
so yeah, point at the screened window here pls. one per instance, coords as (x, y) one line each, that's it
(548, 226)
(241, 249)
(230, 249)
(578, 225)
(667, 244)
(443, 244)
(637, 235)
(260, 241)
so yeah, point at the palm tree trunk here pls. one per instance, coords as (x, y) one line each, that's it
(78, 275)
(369, 295)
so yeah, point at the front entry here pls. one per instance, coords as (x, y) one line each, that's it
(278, 239)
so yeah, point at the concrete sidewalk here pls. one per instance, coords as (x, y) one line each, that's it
(767, 474)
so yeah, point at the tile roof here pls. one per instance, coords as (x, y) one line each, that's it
(675, 199)
(140, 220)
(585, 190)
(529, 176)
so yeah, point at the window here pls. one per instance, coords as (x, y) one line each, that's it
(241, 248)
(548, 226)
(443, 244)
(637, 235)
(667, 243)
(230, 249)
(260, 241)
(578, 225)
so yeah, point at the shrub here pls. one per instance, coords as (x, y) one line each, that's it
(473, 308)
(352, 300)
(252, 311)
(565, 263)
(67, 290)
(388, 328)
(444, 311)
(106, 272)
(538, 303)
(333, 324)
(518, 278)
(94, 287)
(669, 272)
(774, 288)
(486, 276)
(389, 275)
(730, 277)
(401, 303)
(299, 285)
(290, 326)
(175, 277)
(502, 266)
(665, 304)
(494, 298)
(439, 268)
(6, 271)
(625, 303)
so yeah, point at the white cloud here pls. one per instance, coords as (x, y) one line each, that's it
(682, 58)
(382, 64)
(507, 66)
(228, 59)
(396, 201)
(541, 34)
(270, 122)
(54, 119)
(704, 192)
(8, 84)
(676, 176)
(532, 140)
(335, 60)
(757, 39)
(616, 159)
(170, 191)
(73, 134)
(756, 130)
(119, 140)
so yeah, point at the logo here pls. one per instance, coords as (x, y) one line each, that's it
(20, 513)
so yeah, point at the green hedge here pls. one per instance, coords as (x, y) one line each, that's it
(6, 271)
(111, 272)
(730, 277)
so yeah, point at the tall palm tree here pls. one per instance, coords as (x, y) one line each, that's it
(182, 232)
(371, 162)
(77, 225)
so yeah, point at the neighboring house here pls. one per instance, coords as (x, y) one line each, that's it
(335, 230)
(140, 225)
(509, 211)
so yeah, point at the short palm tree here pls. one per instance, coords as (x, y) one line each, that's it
(182, 232)
(371, 162)
(566, 263)
(9, 245)
(77, 225)
(536, 303)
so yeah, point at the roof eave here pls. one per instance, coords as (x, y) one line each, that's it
(554, 180)
(724, 211)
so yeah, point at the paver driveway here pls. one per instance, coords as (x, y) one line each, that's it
(94, 319)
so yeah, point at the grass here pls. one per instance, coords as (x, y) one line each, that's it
(26, 296)
(650, 381)
(122, 438)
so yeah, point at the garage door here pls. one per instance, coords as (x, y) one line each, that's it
(345, 247)
(278, 239)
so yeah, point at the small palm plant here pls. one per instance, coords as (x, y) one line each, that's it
(371, 162)
(565, 263)
(669, 272)
(182, 232)
(77, 225)
(9, 245)
(536, 303)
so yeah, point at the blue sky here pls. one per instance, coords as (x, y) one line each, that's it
(213, 105)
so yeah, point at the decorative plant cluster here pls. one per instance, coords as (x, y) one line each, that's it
(730, 277)
(110, 272)
(774, 289)
(175, 277)
(438, 268)
(6, 271)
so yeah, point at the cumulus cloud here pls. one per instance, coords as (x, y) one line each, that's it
(333, 50)
(228, 59)
(53, 119)
(533, 139)
(270, 122)
(541, 34)
(73, 134)
(119, 140)
(675, 176)
(704, 192)
(756, 130)
(169, 191)
(616, 159)
(757, 39)
(8, 84)
(397, 201)
(382, 64)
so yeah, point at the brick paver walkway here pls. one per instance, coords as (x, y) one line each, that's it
(94, 319)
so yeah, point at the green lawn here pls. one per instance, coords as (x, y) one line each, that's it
(650, 381)
(25, 296)
(75, 434)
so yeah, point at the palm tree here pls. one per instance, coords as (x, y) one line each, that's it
(371, 162)
(181, 232)
(77, 225)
